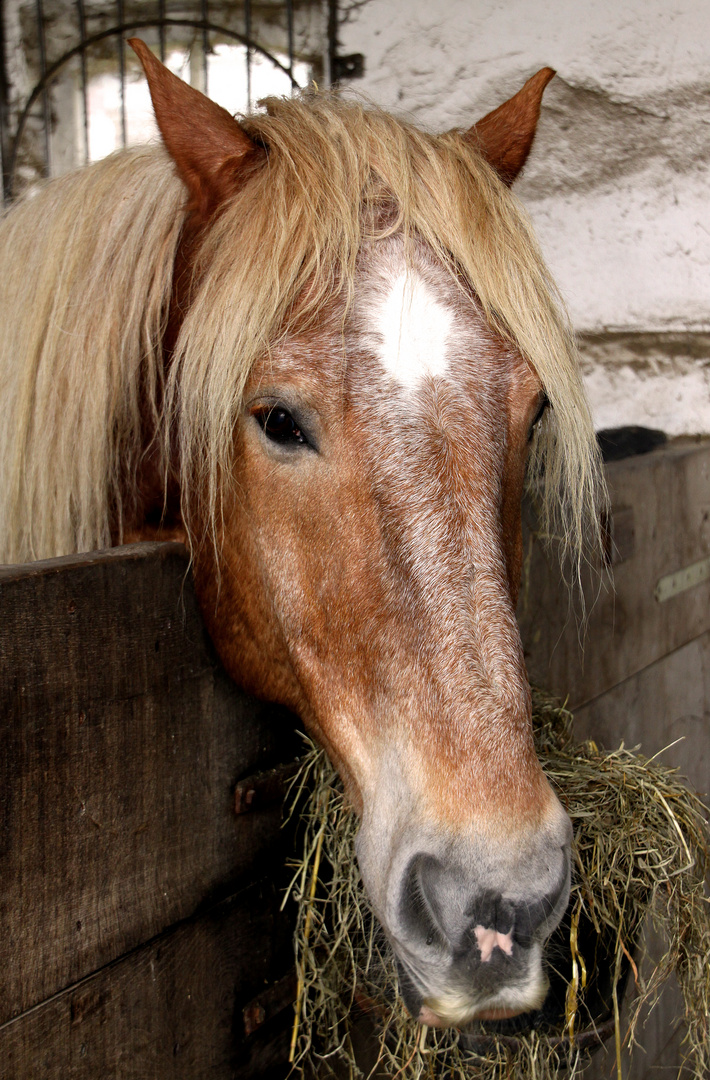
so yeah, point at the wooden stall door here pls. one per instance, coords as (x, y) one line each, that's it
(140, 930)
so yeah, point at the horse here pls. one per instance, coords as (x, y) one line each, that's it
(322, 347)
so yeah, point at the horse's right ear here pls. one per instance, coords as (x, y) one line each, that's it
(208, 146)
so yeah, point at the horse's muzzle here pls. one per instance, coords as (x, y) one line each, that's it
(466, 951)
(480, 957)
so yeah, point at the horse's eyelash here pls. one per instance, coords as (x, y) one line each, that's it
(544, 404)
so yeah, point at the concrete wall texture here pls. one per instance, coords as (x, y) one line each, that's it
(618, 183)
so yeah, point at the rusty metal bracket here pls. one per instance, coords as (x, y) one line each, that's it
(269, 1003)
(264, 788)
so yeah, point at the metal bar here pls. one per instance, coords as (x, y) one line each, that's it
(4, 103)
(47, 114)
(289, 30)
(161, 29)
(247, 33)
(122, 73)
(205, 48)
(84, 79)
(678, 582)
(332, 40)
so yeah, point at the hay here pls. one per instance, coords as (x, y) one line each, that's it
(640, 846)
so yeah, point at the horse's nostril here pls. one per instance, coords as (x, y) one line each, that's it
(544, 912)
(419, 904)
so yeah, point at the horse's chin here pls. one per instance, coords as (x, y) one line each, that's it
(431, 1019)
(499, 1014)
(458, 1007)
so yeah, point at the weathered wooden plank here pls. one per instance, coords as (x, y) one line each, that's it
(661, 507)
(87, 628)
(121, 742)
(171, 1009)
(644, 675)
(660, 1031)
(667, 702)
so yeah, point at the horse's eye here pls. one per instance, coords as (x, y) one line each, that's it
(544, 404)
(279, 426)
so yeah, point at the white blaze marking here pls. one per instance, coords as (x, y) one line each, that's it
(488, 938)
(415, 328)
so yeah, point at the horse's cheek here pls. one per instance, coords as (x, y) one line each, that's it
(240, 620)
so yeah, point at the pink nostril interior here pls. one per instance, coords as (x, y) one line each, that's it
(488, 939)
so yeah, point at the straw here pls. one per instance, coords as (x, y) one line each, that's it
(640, 849)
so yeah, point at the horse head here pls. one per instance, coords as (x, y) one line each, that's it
(357, 549)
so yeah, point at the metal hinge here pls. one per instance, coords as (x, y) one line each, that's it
(264, 788)
(687, 578)
(348, 67)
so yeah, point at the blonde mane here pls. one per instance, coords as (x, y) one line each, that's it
(86, 278)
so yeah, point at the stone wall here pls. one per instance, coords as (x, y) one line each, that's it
(618, 184)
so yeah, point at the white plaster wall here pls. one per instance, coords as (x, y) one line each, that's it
(618, 184)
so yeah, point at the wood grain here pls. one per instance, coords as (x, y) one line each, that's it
(662, 501)
(121, 743)
(665, 706)
(641, 672)
(169, 1009)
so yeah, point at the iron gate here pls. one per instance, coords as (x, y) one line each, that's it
(53, 53)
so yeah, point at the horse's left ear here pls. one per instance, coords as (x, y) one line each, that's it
(208, 146)
(505, 135)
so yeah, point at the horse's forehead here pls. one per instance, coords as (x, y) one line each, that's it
(412, 333)
(414, 329)
(418, 327)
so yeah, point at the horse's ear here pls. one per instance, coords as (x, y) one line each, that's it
(208, 146)
(505, 135)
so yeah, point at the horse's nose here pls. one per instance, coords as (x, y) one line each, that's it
(478, 925)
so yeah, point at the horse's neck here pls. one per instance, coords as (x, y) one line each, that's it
(154, 503)
(153, 508)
